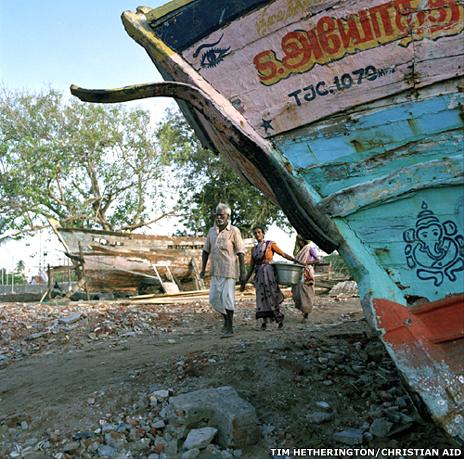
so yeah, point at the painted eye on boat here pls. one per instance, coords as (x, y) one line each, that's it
(213, 57)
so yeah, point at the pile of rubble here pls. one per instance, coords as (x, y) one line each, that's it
(204, 424)
(28, 328)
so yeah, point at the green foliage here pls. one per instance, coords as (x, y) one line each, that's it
(82, 164)
(70, 276)
(8, 277)
(207, 179)
(20, 267)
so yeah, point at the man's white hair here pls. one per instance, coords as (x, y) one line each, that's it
(224, 207)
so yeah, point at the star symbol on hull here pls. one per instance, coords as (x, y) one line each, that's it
(266, 125)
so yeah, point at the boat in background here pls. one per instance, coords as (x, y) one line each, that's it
(349, 116)
(109, 261)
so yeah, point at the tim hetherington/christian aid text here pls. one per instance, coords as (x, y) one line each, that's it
(367, 452)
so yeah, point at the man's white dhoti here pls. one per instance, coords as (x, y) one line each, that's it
(222, 294)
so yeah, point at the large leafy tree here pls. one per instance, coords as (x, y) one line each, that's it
(205, 180)
(85, 165)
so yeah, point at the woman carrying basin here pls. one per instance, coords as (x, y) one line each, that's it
(268, 294)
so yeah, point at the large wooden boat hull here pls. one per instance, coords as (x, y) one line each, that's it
(123, 262)
(348, 114)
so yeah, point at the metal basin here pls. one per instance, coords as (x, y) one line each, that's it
(288, 273)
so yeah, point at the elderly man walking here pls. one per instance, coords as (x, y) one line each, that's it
(224, 243)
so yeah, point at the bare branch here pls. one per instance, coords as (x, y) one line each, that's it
(22, 232)
(142, 224)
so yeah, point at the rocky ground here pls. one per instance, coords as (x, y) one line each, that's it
(95, 379)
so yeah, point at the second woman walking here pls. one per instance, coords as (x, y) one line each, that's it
(268, 294)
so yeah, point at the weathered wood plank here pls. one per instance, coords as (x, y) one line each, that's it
(323, 60)
(407, 180)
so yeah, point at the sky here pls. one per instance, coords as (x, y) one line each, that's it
(53, 43)
(56, 43)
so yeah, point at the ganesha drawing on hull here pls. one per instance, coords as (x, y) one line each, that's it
(434, 249)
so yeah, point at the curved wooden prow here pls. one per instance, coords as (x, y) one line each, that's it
(183, 91)
(288, 194)
(174, 89)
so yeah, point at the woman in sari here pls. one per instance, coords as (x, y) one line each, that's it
(268, 294)
(304, 292)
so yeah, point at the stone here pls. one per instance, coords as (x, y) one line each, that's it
(159, 424)
(37, 455)
(365, 380)
(318, 417)
(368, 436)
(171, 447)
(375, 350)
(375, 411)
(323, 406)
(71, 446)
(4, 359)
(349, 437)
(380, 427)
(399, 428)
(190, 454)
(115, 439)
(346, 288)
(210, 452)
(221, 408)
(160, 394)
(93, 447)
(200, 438)
(106, 450)
(393, 414)
(123, 455)
(403, 401)
(68, 320)
(122, 426)
(160, 444)
(358, 368)
(364, 426)
(266, 429)
(108, 428)
(142, 444)
(406, 419)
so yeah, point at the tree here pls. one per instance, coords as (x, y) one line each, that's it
(19, 273)
(85, 165)
(206, 180)
(20, 267)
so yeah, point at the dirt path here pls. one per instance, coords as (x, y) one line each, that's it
(58, 379)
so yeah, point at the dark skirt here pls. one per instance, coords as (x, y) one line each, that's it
(268, 294)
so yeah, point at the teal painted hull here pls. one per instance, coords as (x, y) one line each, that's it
(392, 181)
